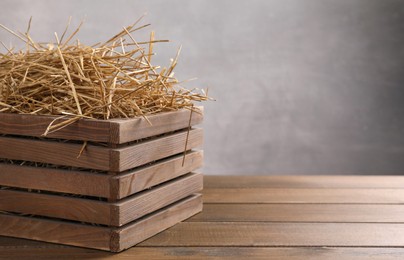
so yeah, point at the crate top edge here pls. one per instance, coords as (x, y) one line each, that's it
(104, 121)
(114, 131)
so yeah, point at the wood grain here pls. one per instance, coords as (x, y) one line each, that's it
(50, 251)
(249, 253)
(48, 179)
(99, 185)
(104, 238)
(141, 153)
(138, 128)
(148, 201)
(63, 207)
(115, 131)
(35, 125)
(280, 234)
(302, 195)
(100, 212)
(55, 231)
(305, 181)
(151, 175)
(99, 157)
(337, 213)
(139, 231)
(337, 217)
(94, 157)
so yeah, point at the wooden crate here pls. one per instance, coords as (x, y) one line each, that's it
(129, 173)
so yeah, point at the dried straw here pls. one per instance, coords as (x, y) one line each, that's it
(114, 79)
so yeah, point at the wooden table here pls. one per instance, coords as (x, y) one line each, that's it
(272, 217)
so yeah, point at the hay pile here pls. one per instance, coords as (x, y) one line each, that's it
(115, 79)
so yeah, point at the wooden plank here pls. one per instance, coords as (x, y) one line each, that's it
(134, 233)
(35, 125)
(104, 238)
(135, 129)
(139, 205)
(306, 181)
(99, 185)
(280, 234)
(99, 157)
(149, 176)
(58, 180)
(55, 231)
(148, 151)
(62, 207)
(100, 212)
(337, 213)
(249, 253)
(115, 131)
(203, 253)
(58, 153)
(302, 195)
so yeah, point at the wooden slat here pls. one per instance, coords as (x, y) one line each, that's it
(99, 157)
(134, 129)
(94, 157)
(249, 253)
(280, 234)
(104, 238)
(137, 206)
(304, 181)
(50, 179)
(93, 211)
(99, 185)
(302, 195)
(63, 207)
(149, 176)
(301, 213)
(55, 231)
(139, 154)
(115, 131)
(139, 231)
(203, 253)
(30, 125)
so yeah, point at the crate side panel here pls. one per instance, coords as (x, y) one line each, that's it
(136, 232)
(146, 202)
(159, 148)
(146, 177)
(138, 128)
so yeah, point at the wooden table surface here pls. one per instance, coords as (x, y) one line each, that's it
(271, 217)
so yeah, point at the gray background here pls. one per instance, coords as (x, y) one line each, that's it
(302, 86)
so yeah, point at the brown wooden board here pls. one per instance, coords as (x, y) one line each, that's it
(104, 238)
(57, 180)
(138, 230)
(305, 181)
(280, 234)
(101, 212)
(49, 251)
(99, 157)
(302, 195)
(337, 213)
(99, 185)
(135, 129)
(116, 131)
(142, 153)
(151, 175)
